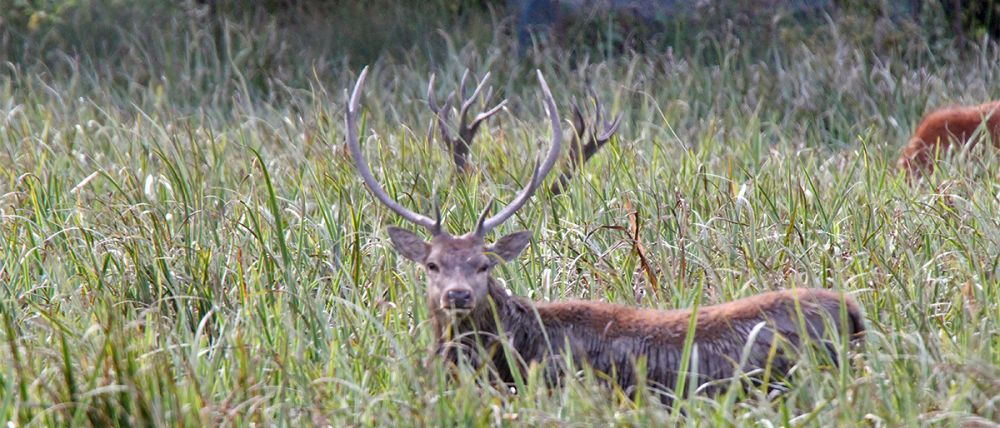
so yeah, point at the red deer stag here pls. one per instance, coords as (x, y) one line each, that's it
(478, 321)
(940, 129)
(460, 145)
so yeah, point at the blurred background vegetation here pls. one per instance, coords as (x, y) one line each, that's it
(328, 30)
(250, 45)
(183, 241)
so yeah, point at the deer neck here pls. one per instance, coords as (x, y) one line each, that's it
(504, 316)
(512, 311)
(503, 311)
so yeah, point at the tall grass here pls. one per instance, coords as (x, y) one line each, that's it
(184, 242)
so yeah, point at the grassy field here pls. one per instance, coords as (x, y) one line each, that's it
(183, 240)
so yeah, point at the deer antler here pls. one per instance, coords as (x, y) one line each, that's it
(540, 171)
(579, 153)
(434, 226)
(459, 147)
(485, 224)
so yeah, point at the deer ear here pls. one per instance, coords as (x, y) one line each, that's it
(510, 246)
(408, 244)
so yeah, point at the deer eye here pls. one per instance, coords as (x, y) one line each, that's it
(483, 268)
(433, 267)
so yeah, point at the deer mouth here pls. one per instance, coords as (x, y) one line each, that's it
(457, 311)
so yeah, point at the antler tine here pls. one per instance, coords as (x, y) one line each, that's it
(471, 128)
(464, 104)
(480, 230)
(486, 114)
(442, 118)
(437, 213)
(575, 151)
(441, 113)
(467, 102)
(430, 96)
(489, 93)
(539, 171)
(461, 83)
(610, 129)
(353, 143)
(598, 117)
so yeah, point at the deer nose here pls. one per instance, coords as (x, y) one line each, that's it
(459, 299)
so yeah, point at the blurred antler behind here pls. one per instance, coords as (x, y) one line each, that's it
(459, 146)
(580, 153)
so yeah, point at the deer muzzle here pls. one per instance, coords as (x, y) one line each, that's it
(460, 299)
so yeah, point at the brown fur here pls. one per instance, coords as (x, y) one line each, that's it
(611, 338)
(942, 128)
(471, 314)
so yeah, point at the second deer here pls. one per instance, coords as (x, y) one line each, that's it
(478, 321)
(944, 128)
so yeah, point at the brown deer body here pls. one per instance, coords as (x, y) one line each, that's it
(942, 128)
(612, 338)
(472, 314)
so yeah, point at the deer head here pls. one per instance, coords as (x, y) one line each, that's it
(459, 146)
(458, 267)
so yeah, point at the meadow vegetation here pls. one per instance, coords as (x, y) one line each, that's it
(183, 240)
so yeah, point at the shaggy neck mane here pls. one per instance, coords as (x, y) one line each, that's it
(478, 331)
